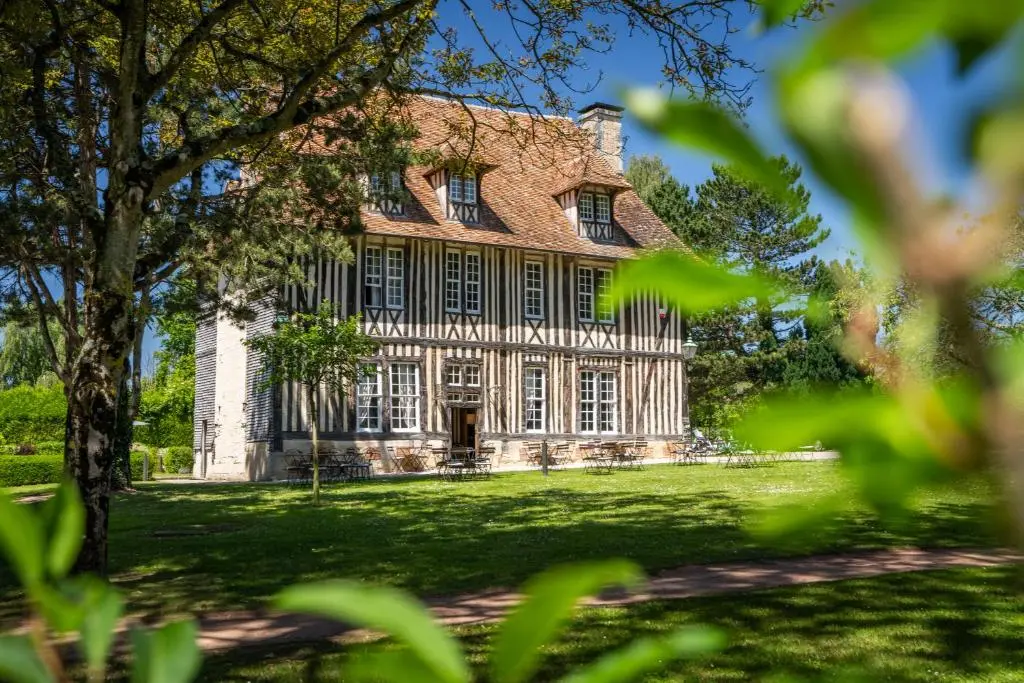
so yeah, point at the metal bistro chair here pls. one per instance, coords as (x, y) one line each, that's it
(633, 454)
(460, 463)
(532, 451)
(298, 466)
(483, 461)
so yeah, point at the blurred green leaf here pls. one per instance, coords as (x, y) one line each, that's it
(650, 654)
(104, 607)
(879, 30)
(65, 520)
(774, 12)
(383, 609)
(167, 655)
(62, 612)
(975, 29)
(686, 282)
(702, 126)
(19, 663)
(997, 137)
(550, 598)
(21, 540)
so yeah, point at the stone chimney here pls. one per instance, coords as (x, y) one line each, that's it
(604, 122)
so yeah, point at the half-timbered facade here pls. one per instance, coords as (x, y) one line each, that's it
(486, 288)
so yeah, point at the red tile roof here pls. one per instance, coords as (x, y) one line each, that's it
(528, 162)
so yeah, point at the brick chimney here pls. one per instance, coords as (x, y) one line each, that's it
(604, 122)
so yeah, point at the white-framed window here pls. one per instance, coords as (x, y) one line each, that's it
(585, 293)
(396, 278)
(472, 282)
(535, 396)
(472, 375)
(533, 291)
(453, 281)
(384, 186)
(462, 282)
(373, 277)
(586, 206)
(369, 397)
(603, 289)
(607, 398)
(453, 376)
(603, 208)
(405, 397)
(383, 183)
(598, 402)
(462, 188)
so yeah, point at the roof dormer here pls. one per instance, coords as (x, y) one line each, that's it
(456, 182)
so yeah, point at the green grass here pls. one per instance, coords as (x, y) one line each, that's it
(953, 626)
(188, 548)
(28, 490)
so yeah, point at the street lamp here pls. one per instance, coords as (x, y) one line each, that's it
(689, 348)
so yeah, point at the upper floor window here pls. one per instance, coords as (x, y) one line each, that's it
(533, 290)
(595, 215)
(462, 282)
(453, 282)
(593, 286)
(384, 188)
(396, 278)
(373, 278)
(462, 197)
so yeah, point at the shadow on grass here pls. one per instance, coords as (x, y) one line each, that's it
(926, 626)
(436, 538)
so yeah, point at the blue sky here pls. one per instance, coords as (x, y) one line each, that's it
(943, 102)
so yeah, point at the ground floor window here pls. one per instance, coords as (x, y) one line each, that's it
(535, 398)
(405, 397)
(369, 396)
(598, 402)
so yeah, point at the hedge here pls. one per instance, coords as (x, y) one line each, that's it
(179, 458)
(40, 448)
(32, 414)
(22, 470)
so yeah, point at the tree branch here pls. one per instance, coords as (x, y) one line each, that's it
(187, 47)
(294, 110)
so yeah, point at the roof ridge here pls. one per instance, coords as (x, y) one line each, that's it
(486, 107)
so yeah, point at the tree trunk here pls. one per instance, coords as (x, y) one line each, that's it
(121, 474)
(314, 434)
(93, 406)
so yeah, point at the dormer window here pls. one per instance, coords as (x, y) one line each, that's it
(385, 188)
(462, 197)
(595, 216)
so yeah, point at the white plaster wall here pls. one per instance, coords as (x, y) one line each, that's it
(229, 457)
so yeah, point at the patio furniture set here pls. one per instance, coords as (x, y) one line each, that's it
(335, 465)
(603, 457)
(699, 449)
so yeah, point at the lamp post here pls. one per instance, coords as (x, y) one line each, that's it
(689, 351)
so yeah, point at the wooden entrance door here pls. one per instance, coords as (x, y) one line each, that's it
(464, 428)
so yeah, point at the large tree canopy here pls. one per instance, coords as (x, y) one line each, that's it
(122, 120)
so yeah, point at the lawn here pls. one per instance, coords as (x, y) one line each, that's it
(953, 626)
(186, 548)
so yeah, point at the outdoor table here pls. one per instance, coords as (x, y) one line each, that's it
(298, 466)
(598, 458)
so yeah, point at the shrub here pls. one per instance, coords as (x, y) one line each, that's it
(135, 458)
(22, 470)
(52, 448)
(32, 414)
(179, 458)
